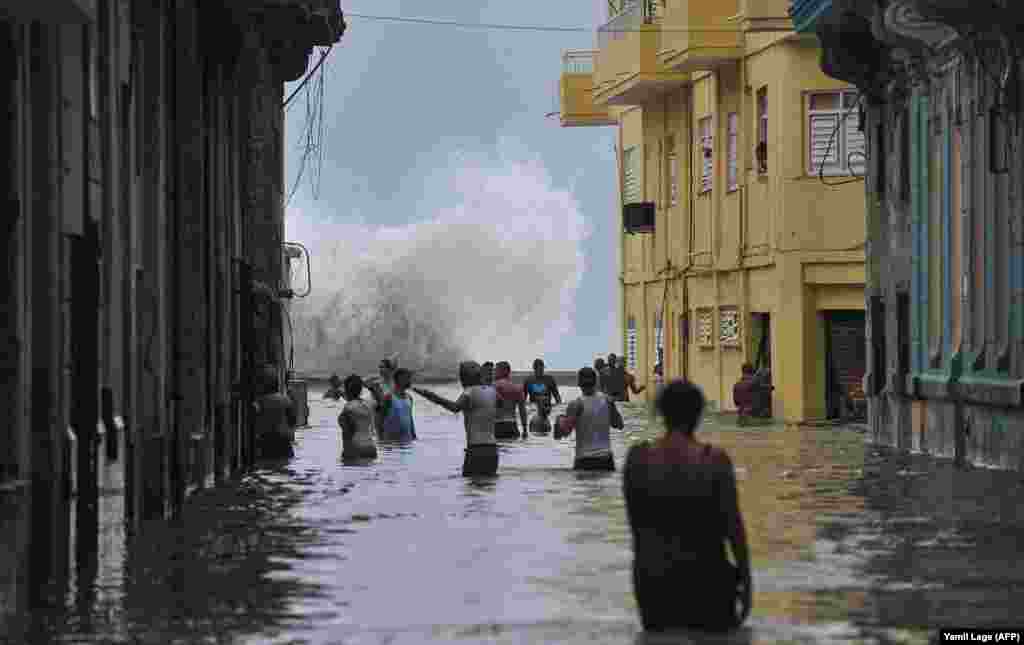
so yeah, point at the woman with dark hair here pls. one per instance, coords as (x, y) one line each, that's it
(682, 505)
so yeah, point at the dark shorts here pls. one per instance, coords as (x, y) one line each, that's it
(606, 462)
(356, 453)
(506, 430)
(480, 461)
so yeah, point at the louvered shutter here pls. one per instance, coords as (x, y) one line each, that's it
(631, 177)
(631, 343)
(856, 146)
(822, 128)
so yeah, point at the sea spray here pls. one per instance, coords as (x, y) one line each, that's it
(493, 276)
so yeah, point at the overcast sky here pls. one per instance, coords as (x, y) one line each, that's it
(406, 104)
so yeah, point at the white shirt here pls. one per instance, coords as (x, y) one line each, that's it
(479, 406)
(593, 425)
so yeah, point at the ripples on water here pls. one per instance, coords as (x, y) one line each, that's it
(849, 544)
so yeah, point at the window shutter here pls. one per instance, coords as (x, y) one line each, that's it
(631, 343)
(856, 146)
(822, 127)
(631, 176)
(732, 171)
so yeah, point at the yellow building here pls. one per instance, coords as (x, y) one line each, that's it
(741, 170)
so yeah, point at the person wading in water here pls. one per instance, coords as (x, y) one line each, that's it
(478, 405)
(356, 422)
(617, 382)
(335, 390)
(396, 410)
(599, 367)
(487, 373)
(682, 506)
(591, 416)
(380, 386)
(539, 384)
(510, 399)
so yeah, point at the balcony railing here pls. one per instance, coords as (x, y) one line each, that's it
(634, 14)
(578, 61)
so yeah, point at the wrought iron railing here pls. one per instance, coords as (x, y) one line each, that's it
(578, 61)
(633, 15)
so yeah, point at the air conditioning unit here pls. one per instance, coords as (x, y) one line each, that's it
(638, 217)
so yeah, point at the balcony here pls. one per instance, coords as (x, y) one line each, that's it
(627, 70)
(766, 15)
(701, 34)
(576, 92)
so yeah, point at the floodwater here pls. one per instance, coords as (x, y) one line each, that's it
(850, 544)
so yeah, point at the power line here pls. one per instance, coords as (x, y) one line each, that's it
(320, 62)
(470, 25)
(510, 27)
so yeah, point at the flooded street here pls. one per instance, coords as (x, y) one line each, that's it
(848, 545)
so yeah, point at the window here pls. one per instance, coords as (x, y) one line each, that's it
(732, 143)
(706, 152)
(659, 338)
(631, 343)
(672, 163)
(631, 193)
(836, 144)
(762, 130)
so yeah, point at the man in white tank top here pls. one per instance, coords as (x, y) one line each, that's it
(592, 416)
(478, 405)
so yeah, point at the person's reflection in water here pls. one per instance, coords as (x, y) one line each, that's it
(682, 506)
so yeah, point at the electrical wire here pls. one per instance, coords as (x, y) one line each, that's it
(511, 27)
(311, 138)
(831, 140)
(305, 80)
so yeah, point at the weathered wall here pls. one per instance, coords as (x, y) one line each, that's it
(944, 216)
(142, 194)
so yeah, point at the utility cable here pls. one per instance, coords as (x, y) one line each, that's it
(305, 80)
(842, 120)
(511, 27)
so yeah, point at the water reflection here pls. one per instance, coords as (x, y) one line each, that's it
(849, 544)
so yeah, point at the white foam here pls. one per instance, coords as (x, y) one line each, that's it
(491, 277)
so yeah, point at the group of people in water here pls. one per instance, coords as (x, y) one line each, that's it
(682, 576)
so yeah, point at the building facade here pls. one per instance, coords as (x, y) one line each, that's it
(741, 170)
(144, 274)
(945, 281)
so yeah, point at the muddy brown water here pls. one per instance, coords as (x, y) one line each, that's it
(850, 544)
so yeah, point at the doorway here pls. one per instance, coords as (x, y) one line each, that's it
(761, 359)
(845, 365)
(761, 341)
